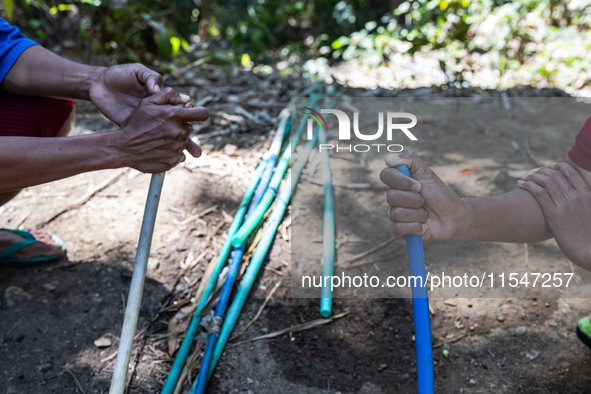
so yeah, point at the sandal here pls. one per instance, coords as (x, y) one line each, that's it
(28, 240)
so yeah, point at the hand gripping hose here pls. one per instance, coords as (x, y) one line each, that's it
(136, 289)
(420, 306)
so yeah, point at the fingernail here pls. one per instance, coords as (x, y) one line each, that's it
(520, 182)
(185, 97)
(553, 164)
(424, 228)
(157, 88)
(415, 187)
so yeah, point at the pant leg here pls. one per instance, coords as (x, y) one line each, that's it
(30, 116)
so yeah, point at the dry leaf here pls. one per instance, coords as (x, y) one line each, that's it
(177, 326)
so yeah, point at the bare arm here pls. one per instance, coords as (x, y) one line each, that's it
(511, 217)
(564, 193)
(40, 72)
(116, 91)
(30, 158)
(426, 205)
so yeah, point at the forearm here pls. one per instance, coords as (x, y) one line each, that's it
(26, 161)
(511, 217)
(40, 72)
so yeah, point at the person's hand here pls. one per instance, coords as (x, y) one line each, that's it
(116, 91)
(423, 204)
(565, 199)
(153, 137)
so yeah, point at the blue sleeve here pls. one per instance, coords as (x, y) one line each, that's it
(12, 44)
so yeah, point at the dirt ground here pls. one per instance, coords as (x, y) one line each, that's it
(496, 345)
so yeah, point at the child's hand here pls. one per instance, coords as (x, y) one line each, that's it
(565, 199)
(422, 204)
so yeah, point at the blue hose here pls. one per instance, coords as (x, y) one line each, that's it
(420, 306)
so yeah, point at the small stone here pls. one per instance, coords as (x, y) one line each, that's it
(49, 287)
(230, 149)
(472, 381)
(500, 318)
(552, 323)
(249, 381)
(532, 354)
(520, 330)
(153, 263)
(370, 388)
(102, 342)
(381, 367)
(15, 295)
(471, 328)
(45, 367)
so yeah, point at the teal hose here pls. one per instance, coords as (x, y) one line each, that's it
(256, 217)
(185, 348)
(328, 233)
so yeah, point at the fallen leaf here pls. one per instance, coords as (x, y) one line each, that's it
(177, 326)
(466, 172)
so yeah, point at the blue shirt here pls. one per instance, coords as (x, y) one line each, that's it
(12, 44)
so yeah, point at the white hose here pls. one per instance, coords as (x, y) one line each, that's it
(134, 299)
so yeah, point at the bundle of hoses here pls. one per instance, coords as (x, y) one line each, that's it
(267, 179)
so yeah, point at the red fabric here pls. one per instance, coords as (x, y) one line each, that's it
(29, 116)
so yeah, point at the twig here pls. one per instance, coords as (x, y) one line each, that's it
(529, 153)
(76, 381)
(452, 340)
(376, 260)
(299, 327)
(214, 134)
(368, 252)
(259, 312)
(198, 215)
(273, 270)
(85, 197)
(505, 101)
(343, 185)
(22, 219)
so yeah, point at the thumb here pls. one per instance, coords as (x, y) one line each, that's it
(151, 79)
(168, 96)
(415, 165)
(193, 148)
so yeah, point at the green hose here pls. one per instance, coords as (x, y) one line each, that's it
(256, 217)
